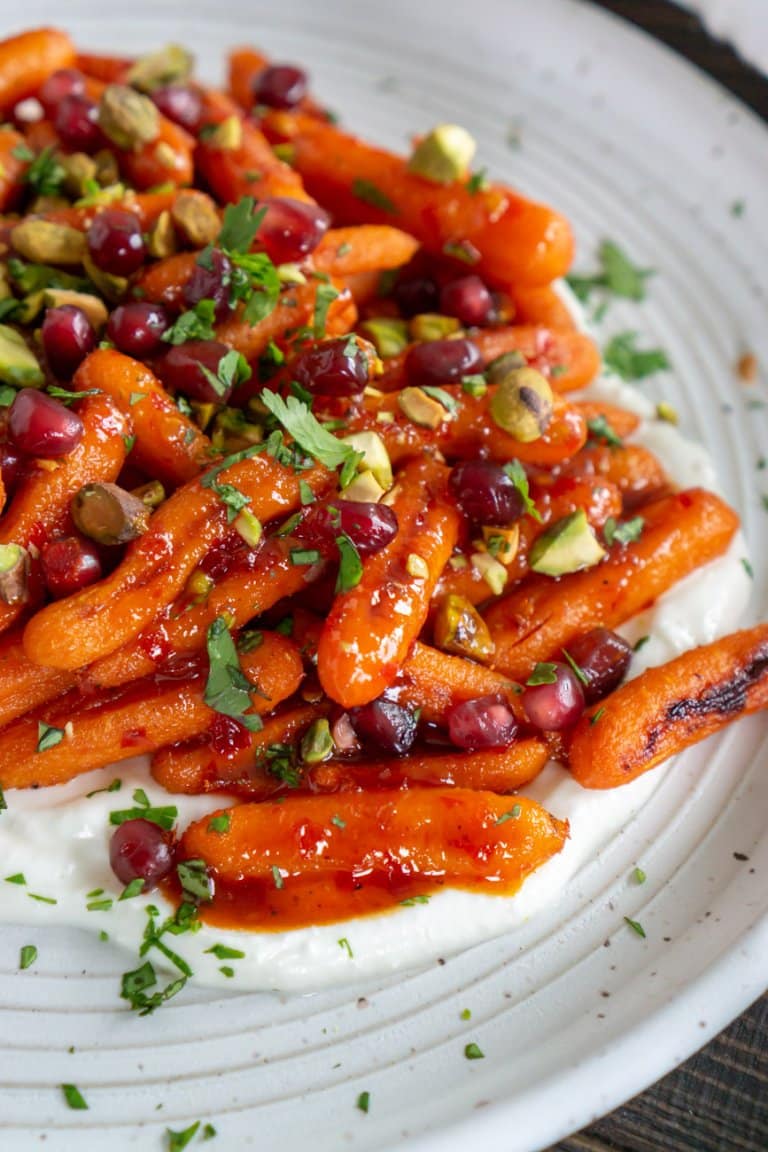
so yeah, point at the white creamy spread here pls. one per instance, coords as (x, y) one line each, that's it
(59, 839)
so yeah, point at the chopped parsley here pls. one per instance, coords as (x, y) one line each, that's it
(599, 429)
(337, 821)
(164, 816)
(513, 814)
(306, 495)
(232, 369)
(345, 944)
(350, 564)
(543, 673)
(636, 926)
(27, 956)
(42, 899)
(577, 671)
(197, 324)
(626, 533)
(240, 225)
(747, 567)
(363, 1102)
(448, 402)
(48, 736)
(222, 952)
(17, 878)
(74, 1098)
(594, 719)
(45, 175)
(640, 643)
(324, 297)
(517, 474)
(465, 1014)
(617, 276)
(630, 362)
(220, 824)
(473, 1052)
(132, 889)
(370, 193)
(413, 900)
(304, 556)
(196, 884)
(279, 761)
(177, 1141)
(310, 435)
(639, 876)
(477, 182)
(277, 877)
(228, 690)
(115, 786)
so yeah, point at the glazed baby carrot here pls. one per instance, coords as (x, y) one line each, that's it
(169, 447)
(41, 507)
(168, 159)
(28, 59)
(294, 310)
(370, 628)
(98, 620)
(24, 685)
(669, 708)
(679, 534)
(12, 167)
(349, 251)
(136, 719)
(206, 764)
(516, 240)
(620, 421)
(108, 69)
(438, 681)
(246, 166)
(635, 471)
(442, 835)
(252, 583)
(540, 306)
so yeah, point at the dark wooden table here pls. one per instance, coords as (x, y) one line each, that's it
(718, 1100)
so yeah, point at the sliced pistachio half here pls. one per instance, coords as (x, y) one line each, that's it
(80, 169)
(568, 545)
(161, 238)
(47, 242)
(14, 573)
(197, 218)
(226, 136)
(170, 64)
(93, 306)
(494, 573)
(18, 364)
(113, 287)
(317, 743)
(503, 365)
(375, 456)
(459, 628)
(523, 404)
(422, 409)
(433, 326)
(444, 154)
(151, 494)
(108, 514)
(128, 118)
(388, 335)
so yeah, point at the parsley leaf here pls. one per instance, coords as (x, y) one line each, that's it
(195, 882)
(74, 1097)
(363, 1102)
(196, 324)
(473, 1052)
(220, 824)
(636, 926)
(350, 564)
(45, 175)
(310, 435)
(599, 429)
(324, 297)
(448, 402)
(27, 956)
(625, 533)
(177, 1141)
(517, 475)
(240, 225)
(514, 811)
(543, 673)
(370, 193)
(228, 690)
(222, 952)
(232, 369)
(633, 363)
(618, 275)
(48, 736)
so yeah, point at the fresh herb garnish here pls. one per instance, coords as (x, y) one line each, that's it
(477, 182)
(42, 899)
(74, 1097)
(543, 673)
(465, 1014)
(518, 476)
(17, 878)
(220, 823)
(635, 925)
(177, 1141)
(625, 533)
(115, 786)
(577, 671)
(363, 1102)
(324, 297)
(27, 956)
(196, 884)
(618, 275)
(45, 175)
(630, 362)
(277, 877)
(240, 225)
(232, 369)
(48, 736)
(473, 1052)
(640, 643)
(164, 817)
(370, 193)
(594, 719)
(337, 821)
(746, 565)
(228, 690)
(306, 495)
(132, 889)
(513, 814)
(599, 429)
(412, 900)
(639, 876)
(68, 397)
(448, 402)
(222, 952)
(301, 557)
(310, 435)
(197, 324)
(279, 761)
(350, 564)
(345, 944)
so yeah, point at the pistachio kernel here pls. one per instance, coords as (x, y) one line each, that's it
(443, 155)
(503, 365)
(523, 404)
(227, 136)
(460, 629)
(248, 527)
(18, 364)
(375, 456)
(14, 573)
(417, 566)
(568, 545)
(197, 218)
(199, 584)
(490, 570)
(151, 494)
(388, 335)
(46, 242)
(128, 118)
(112, 287)
(364, 488)
(427, 326)
(502, 543)
(170, 64)
(109, 514)
(317, 743)
(93, 306)
(161, 238)
(421, 409)
(80, 170)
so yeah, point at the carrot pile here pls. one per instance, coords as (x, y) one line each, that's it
(327, 525)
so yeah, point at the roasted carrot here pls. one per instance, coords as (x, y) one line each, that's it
(436, 681)
(147, 206)
(168, 159)
(136, 719)
(540, 306)
(635, 471)
(12, 168)
(371, 627)
(669, 708)
(100, 619)
(349, 251)
(169, 447)
(295, 310)
(255, 580)
(24, 685)
(515, 240)
(250, 168)
(28, 59)
(108, 69)
(680, 533)
(440, 835)
(621, 421)
(40, 508)
(199, 765)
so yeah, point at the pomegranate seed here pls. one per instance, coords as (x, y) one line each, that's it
(65, 82)
(179, 103)
(226, 737)
(291, 229)
(370, 527)
(180, 370)
(485, 493)
(280, 86)
(69, 564)
(211, 283)
(485, 722)
(441, 361)
(554, 706)
(604, 658)
(385, 726)
(41, 426)
(136, 328)
(333, 368)
(75, 122)
(67, 339)
(140, 850)
(416, 295)
(468, 300)
(10, 466)
(115, 242)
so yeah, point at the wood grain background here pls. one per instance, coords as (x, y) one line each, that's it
(718, 1100)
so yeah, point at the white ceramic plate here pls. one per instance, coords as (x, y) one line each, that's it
(576, 1013)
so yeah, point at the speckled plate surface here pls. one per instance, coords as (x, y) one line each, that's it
(575, 1013)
